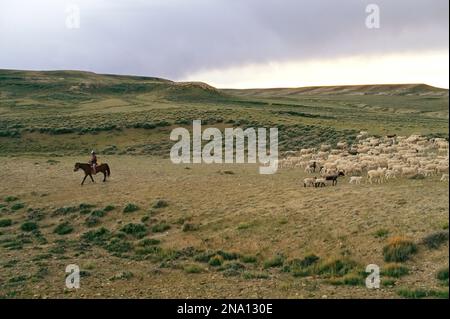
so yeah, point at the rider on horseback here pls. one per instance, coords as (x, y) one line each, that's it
(93, 161)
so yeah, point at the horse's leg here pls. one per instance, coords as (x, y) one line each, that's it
(84, 179)
(104, 176)
(92, 179)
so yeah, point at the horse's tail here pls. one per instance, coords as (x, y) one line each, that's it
(108, 171)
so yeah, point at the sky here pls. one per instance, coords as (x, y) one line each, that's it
(233, 43)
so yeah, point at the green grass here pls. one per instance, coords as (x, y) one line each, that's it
(215, 261)
(161, 227)
(381, 233)
(422, 293)
(394, 270)
(149, 242)
(276, 261)
(352, 279)
(193, 269)
(399, 250)
(249, 259)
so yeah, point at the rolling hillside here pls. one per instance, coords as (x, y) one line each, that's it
(73, 111)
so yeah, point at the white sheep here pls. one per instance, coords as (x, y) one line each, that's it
(355, 180)
(309, 181)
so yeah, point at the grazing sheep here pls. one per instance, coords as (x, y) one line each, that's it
(355, 180)
(309, 169)
(442, 169)
(425, 172)
(320, 182)
(376, 175)
(409, 171)
(390, 174)
(310, 181)
(444, 178)
(333, 177)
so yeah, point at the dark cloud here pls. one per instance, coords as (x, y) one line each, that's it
(175, 38)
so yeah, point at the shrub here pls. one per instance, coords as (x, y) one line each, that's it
(159, 228)
(98, 213)
(5, 222)
(160, 203)
(9, 199)
(17, 206)
(123, 275)
(149, 242)
(276, 261)
(227, 255)
(109, 208)
(193, 269)
(349, 280)
(63, 229)
(118, 246)
(28, 226)
(129, 208)
(203, 257)
(381, 233)
(136, 230)
(85, 206)
(189, 227)
(435, 240)
(248, 259)
(442, 275)
(388, 282)
(394, 270)
(255, 275)
(97, 236)
(336, 267)
(215, 261)
(91, 221)
(309, 260)
(65, 210)
(399, 249)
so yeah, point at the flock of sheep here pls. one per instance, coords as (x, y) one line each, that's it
(379, 159)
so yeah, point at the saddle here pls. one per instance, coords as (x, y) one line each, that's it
(93, 168)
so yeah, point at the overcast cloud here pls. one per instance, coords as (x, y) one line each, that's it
(176, 38)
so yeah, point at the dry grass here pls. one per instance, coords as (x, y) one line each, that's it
(281, 217)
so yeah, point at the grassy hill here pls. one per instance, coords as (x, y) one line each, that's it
(69, 112)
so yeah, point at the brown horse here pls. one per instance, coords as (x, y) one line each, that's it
(104, 168)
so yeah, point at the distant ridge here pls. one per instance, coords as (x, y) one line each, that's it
(89, 81)
(369, 89)
(84, 85)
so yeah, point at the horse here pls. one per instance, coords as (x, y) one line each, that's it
(88, 171)
(334, 177)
